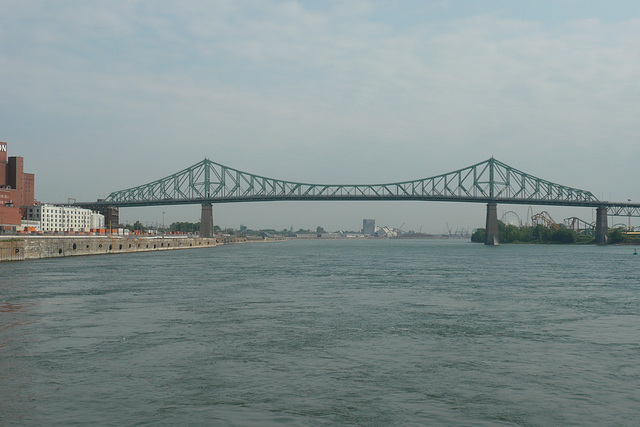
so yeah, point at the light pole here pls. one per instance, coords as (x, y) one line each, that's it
(163, 229)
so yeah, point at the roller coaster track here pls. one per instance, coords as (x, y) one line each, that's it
(545, 219)
(580, 226)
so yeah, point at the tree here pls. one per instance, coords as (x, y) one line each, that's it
(563, 235)
(185, 227)
(615, 236)
(479, 235)
(138, 226)
(541, 233)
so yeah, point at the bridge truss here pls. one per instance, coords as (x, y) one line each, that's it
(488, 181)
(623, 209)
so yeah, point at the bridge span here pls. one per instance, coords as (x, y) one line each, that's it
(490, 182)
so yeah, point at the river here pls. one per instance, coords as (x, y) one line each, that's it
(324, 332)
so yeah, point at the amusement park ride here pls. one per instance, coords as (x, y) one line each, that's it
(574, 223)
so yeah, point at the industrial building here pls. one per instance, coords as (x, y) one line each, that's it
(18, 207)
(369, 227)
(16, 190)
(50, 218)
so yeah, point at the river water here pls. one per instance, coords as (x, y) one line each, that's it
(365, 332)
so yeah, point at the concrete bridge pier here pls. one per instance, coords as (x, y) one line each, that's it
(206, 220)
(602, 228)
(491, 236)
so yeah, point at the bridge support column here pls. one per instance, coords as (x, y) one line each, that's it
(491, 236)
(206, 220)
(602, 228)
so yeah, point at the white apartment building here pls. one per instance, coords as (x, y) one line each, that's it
(64, 218)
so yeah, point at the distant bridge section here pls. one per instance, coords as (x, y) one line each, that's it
(623, 209)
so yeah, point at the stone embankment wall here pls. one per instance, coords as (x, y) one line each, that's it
(25, 248)
(11, 250)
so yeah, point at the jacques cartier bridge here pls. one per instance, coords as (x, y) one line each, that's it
(490, 182)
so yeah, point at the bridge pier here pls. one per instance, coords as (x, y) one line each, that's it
(602, 228)
(206, 220)
(491, 236)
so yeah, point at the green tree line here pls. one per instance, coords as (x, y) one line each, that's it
(537, 234)
(185, 227)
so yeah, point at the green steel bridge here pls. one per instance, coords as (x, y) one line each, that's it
(490, 182)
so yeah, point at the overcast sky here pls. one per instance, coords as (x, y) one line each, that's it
(100, 96)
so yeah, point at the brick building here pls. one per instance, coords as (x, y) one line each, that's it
(16, 189)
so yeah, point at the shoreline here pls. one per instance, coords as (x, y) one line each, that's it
(42, 247)
(25, 248)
